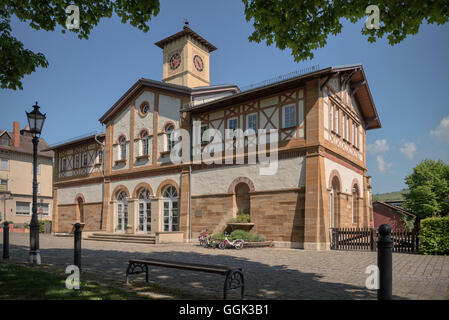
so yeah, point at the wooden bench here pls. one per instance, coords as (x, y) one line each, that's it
(233, 275)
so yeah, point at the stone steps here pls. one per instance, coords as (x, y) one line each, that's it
(127, 238)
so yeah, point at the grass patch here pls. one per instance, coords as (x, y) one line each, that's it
(19, 282)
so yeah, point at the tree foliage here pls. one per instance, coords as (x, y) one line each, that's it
(429, 189)
(16, 61)
(304, 26)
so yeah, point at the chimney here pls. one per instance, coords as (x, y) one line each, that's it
(16, 134)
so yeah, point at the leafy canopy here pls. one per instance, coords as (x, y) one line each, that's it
(304, 26)
(16, 62)
(429, 189)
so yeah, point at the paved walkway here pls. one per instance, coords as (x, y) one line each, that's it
(270, 273)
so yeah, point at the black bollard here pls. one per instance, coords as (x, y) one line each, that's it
(6, 240)
(385, 263)
(78, 245)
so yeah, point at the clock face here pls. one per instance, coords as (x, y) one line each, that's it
(175, 61)
(198, 62)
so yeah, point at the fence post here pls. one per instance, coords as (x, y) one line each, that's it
(371, 240)
(6, 240)
(385, 263)
(77, 245)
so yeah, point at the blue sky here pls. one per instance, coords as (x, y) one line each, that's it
(409, 82)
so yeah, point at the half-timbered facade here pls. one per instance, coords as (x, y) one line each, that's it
(124, 181)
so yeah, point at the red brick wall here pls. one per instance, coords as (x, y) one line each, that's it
(384, 215)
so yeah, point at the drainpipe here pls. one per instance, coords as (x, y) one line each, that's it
(104, 180)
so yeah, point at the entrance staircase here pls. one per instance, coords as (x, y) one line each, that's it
(127, 238)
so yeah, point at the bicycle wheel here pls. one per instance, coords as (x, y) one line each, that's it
(222, 245)
(238, 244)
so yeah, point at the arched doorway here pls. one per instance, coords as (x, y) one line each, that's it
(242, 198)
(144, 211)
(170, 209)
(122, 211)
(335, 203)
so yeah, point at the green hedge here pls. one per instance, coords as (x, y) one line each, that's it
(239, 234)
(434, 235)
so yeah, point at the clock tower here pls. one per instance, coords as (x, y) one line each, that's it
(186, 58)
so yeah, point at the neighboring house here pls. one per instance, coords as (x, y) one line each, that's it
(322, 117)
(388, 213)
(16, 176)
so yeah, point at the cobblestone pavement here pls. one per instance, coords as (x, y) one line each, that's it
(270, 273)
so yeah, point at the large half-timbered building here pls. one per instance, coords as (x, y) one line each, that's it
(124, 181)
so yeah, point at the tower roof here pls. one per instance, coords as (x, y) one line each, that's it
(186, 31)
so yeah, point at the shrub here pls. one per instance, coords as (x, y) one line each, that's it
(434, 235)
(241, 218)
(240, 234)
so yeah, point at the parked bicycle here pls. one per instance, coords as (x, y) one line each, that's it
(209, 242)
(202, 238)
(237, 243)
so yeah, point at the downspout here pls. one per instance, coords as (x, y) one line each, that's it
(104, 180)
(190, 177)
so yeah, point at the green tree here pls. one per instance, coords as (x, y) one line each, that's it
(429, 189)
(304, 26)
(16, 61)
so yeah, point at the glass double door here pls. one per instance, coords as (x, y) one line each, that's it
(170, 215)
(144, 211)
(122, 216)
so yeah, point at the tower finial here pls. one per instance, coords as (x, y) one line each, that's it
(186, 23)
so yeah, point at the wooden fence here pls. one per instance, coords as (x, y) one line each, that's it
(364, 239)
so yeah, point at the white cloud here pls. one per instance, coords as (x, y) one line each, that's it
(409, 149)
(378, 146)
(382, 165)
(442, 131)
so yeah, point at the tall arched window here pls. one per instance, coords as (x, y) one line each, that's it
(334, 203)
(170, 209)
(242, 198)
(355, 204)
(170, 141)
(122, 142)
(122, 211)
(144, 142)
(144, 205)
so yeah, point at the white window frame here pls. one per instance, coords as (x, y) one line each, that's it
(228, 126)
(122, 144)
(248, 116)
(169, 143)
(4, 160)
(99, 156)
(76, 161)
(23, 214)
(337, 119)
(84, 160)
(284, 114)
(332, 117)
(144, 142)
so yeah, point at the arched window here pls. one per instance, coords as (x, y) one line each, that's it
(122, 142)
(334, 203)
(122, 211)
(170, 209)
(355, 204)
(170, 141)
(80, 207)
(144, 142)
(242, 198)
(144, 205)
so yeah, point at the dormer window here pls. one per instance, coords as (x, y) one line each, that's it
(4, 141)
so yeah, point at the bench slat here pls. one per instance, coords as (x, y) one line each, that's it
(187, 266)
